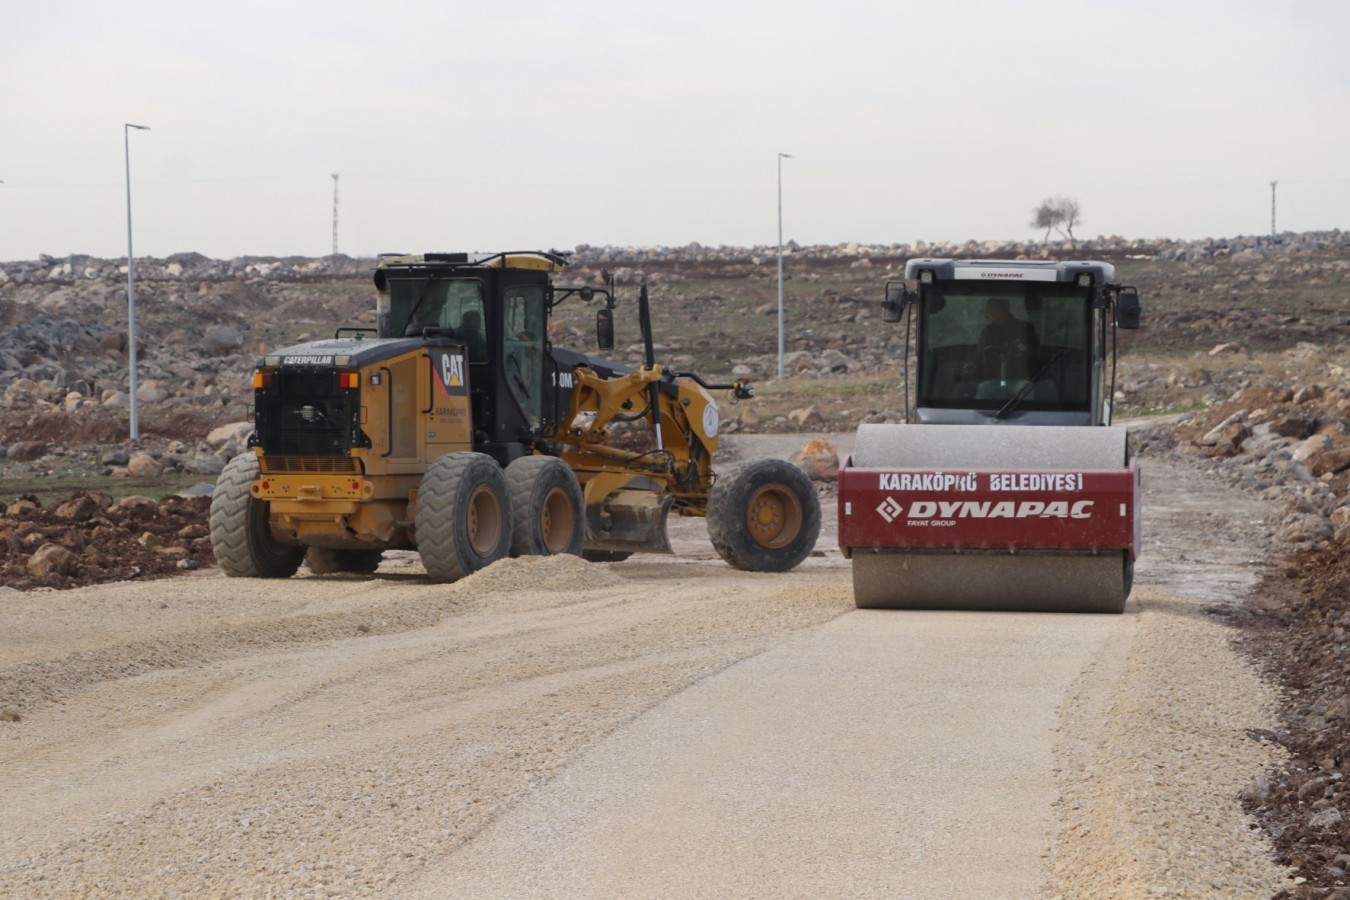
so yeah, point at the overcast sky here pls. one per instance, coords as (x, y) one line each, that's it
(499, 124)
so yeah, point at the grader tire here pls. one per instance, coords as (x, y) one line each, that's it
(463, 515)
(764, 516)
(240, 536)
(328, 561)
(547, 517)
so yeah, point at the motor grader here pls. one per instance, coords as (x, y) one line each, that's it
(1005, 489)
(456, 427)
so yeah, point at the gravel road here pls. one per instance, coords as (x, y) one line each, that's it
(658, 727)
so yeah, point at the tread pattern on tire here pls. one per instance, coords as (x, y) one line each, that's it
(239, 540)
(726, 516)
(523, 476)
(442, 539)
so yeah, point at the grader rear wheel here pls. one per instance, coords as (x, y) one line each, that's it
(764, 516)
(546, 507)
(241, 538)
(463, 515)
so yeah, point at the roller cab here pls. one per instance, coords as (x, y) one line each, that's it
(1006, 489)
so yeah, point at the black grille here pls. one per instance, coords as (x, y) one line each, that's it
(341, 465)
(305, 413)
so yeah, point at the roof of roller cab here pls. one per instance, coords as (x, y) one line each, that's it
(1010, 270)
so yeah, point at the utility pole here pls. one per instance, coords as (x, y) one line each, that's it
(1272, 208)
(781, 157)
(335, 210)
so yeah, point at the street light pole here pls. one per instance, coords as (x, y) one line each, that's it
(131, 282)
(1272, 207)
(781, 157)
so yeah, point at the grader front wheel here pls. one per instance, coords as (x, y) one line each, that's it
(764, 516)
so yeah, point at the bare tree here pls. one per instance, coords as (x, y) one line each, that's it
(1045, 216)
(1058, 213)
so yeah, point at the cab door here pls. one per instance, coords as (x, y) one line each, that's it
(524, 320)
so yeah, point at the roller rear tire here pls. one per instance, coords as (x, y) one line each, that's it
(764, 516)
(463, 515)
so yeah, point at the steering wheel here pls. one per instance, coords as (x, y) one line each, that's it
(516, 371)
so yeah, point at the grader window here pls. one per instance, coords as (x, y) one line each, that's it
(455, 305)
(984, 342)
(524, 318)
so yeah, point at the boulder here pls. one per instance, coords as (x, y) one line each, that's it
(1227, 436)
(1313, 446)
(230, 438)
(118, 456)
(77, 509)
(136, 504)
(1230, 347)
(1309, 392)
(206, 464)
(51, 559)
(807, 417)
(834, 361)
(151, 392)
(818, 459)
(1329, 462)
(143, 465)
(223, 339)
(1297, 427)
(27, 451)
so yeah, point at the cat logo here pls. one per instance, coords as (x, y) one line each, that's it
(452, 373)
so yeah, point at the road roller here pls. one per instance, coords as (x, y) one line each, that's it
(1006, 488)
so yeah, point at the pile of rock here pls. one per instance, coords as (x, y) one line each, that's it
(182, 267)
(151, 458)
(1292, 445)
(90, 538)
(858, 255)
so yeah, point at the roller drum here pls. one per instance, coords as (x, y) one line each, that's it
(1026, 582)
(1030, 580)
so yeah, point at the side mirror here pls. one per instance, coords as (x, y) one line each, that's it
(604, 329)
(893, 306)
(1128, 311)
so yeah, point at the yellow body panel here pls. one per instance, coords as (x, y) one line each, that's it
(414, 408)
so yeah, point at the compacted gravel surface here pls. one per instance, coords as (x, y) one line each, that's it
(357, 736)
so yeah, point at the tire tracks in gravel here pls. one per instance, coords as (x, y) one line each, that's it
(166, 765)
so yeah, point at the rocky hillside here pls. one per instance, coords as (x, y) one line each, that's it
(203, 323)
